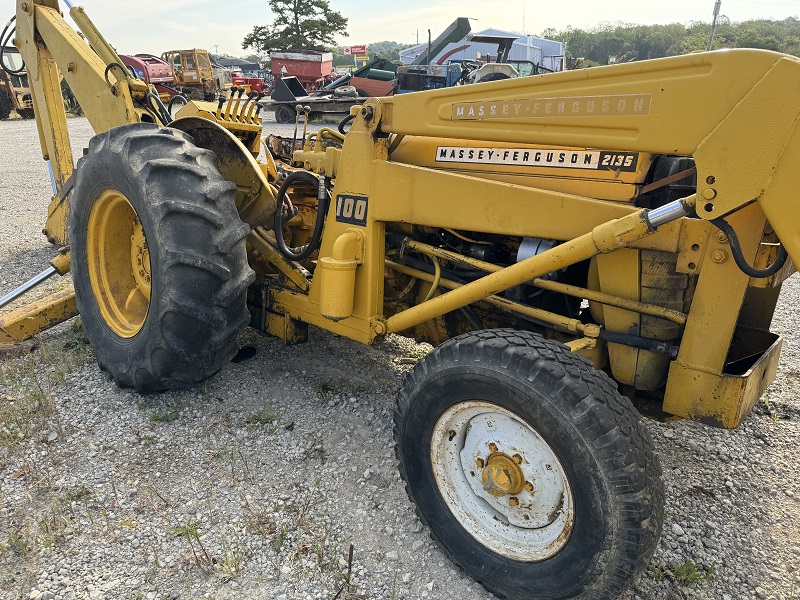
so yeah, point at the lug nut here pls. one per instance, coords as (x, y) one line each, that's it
(528, 486)
(493, 447)
(517, 459)
(480, 463)
(513, 501)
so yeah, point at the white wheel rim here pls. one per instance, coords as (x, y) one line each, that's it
(528, 525)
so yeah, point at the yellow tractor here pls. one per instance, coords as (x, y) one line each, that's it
(14, 92)
(567, 242)
(192, 72)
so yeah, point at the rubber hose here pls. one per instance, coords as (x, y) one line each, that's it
(172, 100)
(738, 255)
(303, 252)
(4, 40)
(344, 122)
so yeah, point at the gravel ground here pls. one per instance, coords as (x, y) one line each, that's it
(256, 483)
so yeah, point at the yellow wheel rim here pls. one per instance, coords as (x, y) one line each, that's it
(119, 263)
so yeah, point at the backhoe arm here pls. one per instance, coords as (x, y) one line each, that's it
(101, 83)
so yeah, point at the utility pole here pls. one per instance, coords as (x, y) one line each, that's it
(713, 24)
(216, 50)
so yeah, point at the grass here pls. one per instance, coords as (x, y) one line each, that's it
(189, 532)
(265, 416)
(27, 405)
(167, 416)
(688, 574)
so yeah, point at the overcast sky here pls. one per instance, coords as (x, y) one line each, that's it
(154, 26)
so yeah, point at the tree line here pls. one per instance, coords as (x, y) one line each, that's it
(626, 42)
(312, 24)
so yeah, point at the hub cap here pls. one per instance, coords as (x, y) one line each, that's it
(502, 481)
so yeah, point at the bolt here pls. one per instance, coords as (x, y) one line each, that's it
(513, 501)
(71, 66)
(709, 193)
(528, 486)
(480, 463)
(723, 239)
(24, 6)
(493, 447)
(719, 256)
(517, 459)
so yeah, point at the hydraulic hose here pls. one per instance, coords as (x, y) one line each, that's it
(323, 197)
(172, 100)
(344, 122)
(4, 40)
(738, 255)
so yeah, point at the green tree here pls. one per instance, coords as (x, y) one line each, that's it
(307, 24)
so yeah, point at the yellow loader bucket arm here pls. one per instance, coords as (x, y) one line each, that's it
(734, 111)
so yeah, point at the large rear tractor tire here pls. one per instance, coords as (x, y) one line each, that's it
(530, 469)
(5, 107)
(158, 258)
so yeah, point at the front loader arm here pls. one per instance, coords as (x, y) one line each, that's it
(735, 112)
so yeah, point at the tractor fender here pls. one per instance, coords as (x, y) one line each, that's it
(256, 198)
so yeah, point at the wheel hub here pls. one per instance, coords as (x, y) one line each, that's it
(502, 481)
(140, 259)
(502, 476)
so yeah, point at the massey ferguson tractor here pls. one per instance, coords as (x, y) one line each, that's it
(566, 241)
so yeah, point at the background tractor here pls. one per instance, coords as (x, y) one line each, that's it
(568, 242)
(14, 91)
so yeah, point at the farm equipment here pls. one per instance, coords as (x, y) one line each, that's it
(192, 73)
(560, 239)
(14, 91)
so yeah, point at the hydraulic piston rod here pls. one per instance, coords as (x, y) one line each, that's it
(604, 238)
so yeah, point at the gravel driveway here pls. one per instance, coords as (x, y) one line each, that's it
(257, 483)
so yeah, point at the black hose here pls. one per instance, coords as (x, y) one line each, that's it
(183, 98)
(4, 39)
(344, 122)
(155, 105)
(303, 252)
(738, 255)
(639, 342)
(111, 66)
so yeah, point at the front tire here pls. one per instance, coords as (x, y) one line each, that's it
(529, 468)
(158, 258)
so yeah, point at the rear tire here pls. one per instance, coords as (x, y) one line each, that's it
(492, 409)
(284, 114)
(26, 113)
(5, 107)
(146, 195)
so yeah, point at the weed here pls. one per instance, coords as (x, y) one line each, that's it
(266, 416)
(17, 543)
(327, 390)
(191, 534)
(689, 574)
(258, 521)
(279, 539)
(232, 559)
(659, 572)
(166, 417)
